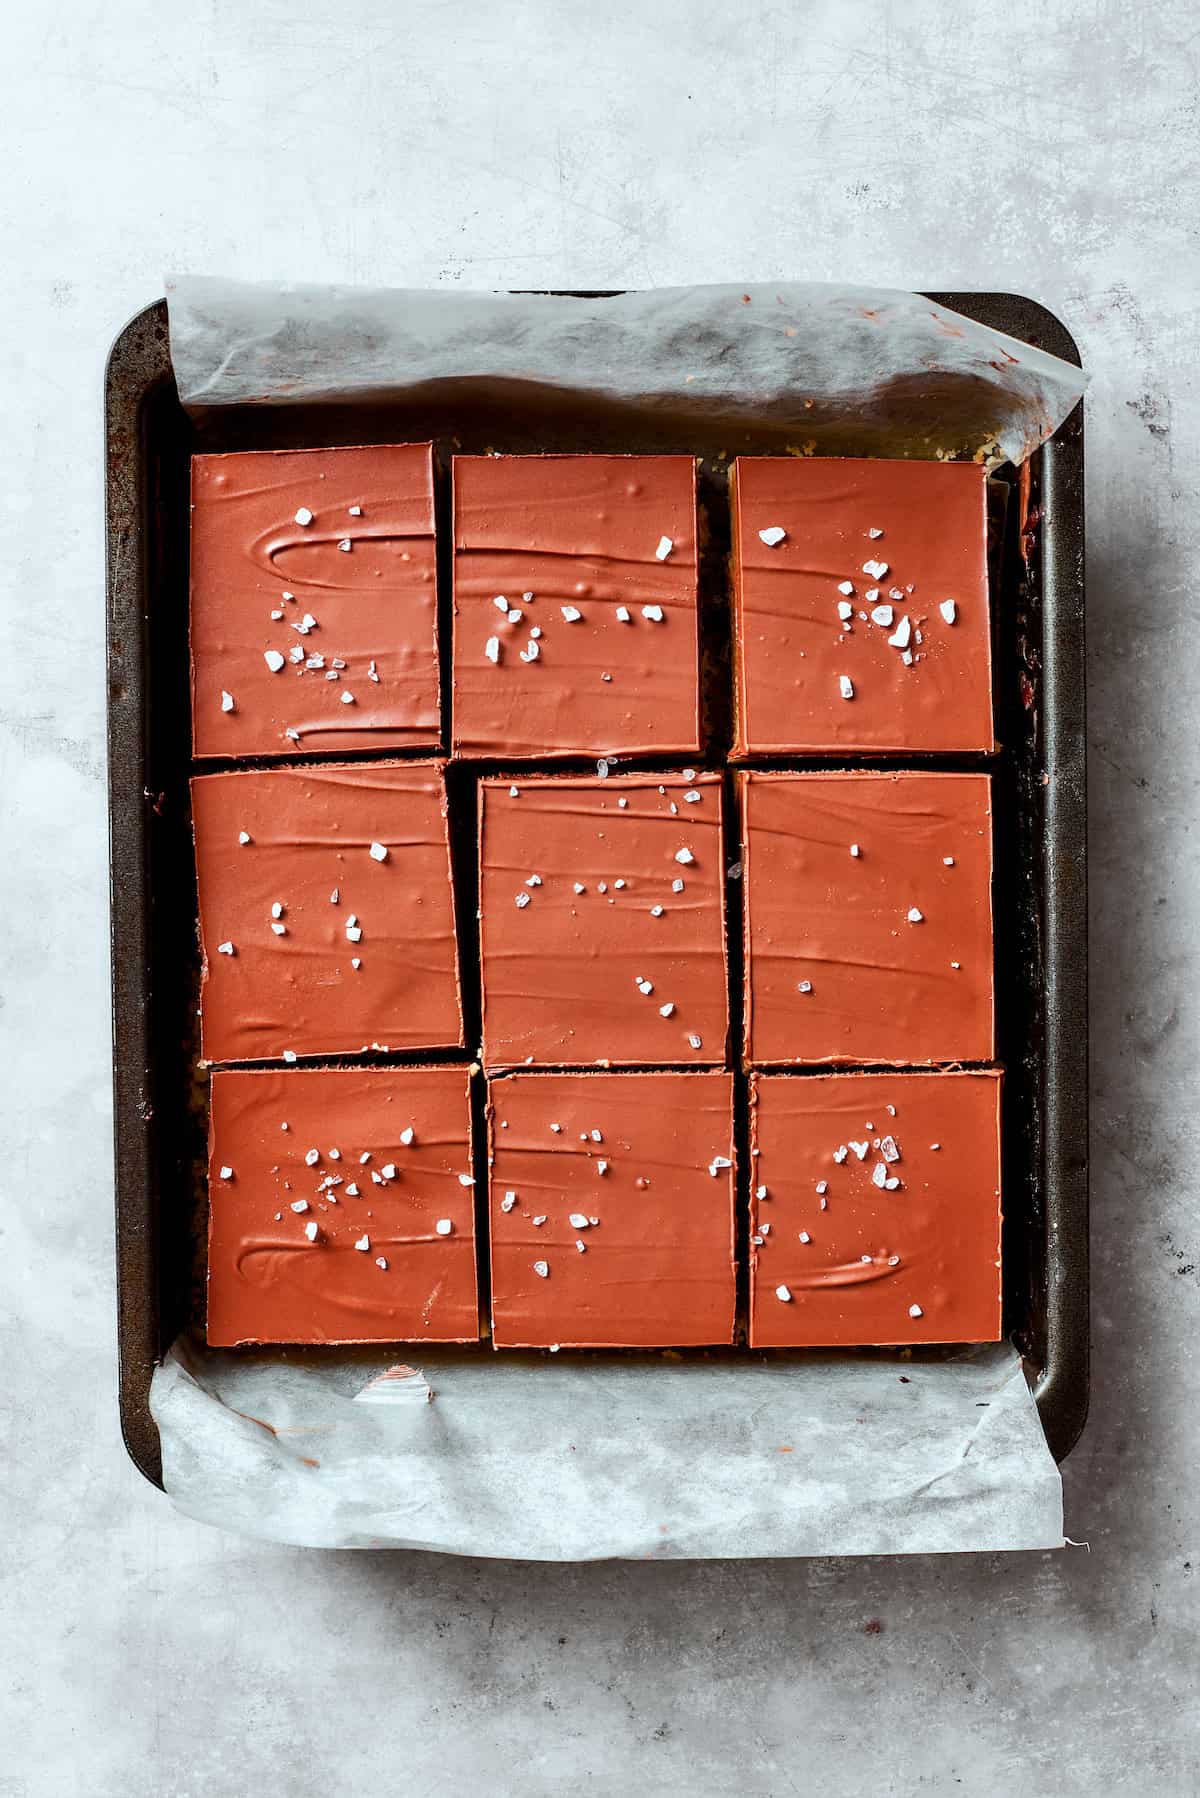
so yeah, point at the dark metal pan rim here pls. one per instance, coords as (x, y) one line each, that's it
(140, 406)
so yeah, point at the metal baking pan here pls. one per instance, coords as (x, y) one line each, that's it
(1040, 807)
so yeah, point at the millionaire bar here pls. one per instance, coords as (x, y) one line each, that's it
(601, 906)
(861, 619)
(314, 602)
(341, 1206)
(326, 911)
(868, 918)
(575, 606)
(611, 1210)
(875, 1209)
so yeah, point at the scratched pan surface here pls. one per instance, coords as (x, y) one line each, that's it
(1040, 793)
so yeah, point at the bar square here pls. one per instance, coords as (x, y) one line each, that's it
(326, 911)
(575, 606)
(612, 1210)
(875, 1209)
(861, 619)
(341, 1206)
(602, 934)
(868, 917)
(314, 601)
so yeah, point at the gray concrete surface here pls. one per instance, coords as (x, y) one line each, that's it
(1052, 150)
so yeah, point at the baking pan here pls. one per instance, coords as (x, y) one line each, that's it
(1040, 808)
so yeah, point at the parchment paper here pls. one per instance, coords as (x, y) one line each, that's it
(572, 1457)
(578, 1459)
(821, 365)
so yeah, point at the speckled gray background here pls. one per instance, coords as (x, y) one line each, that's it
(1050, 149)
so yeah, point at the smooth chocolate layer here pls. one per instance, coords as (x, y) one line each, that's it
(611, 1210)
(361, 953)
(875, 1215)
(575, 608)
(325, 1223)
(892, 671)
(344, 605)
(868, 920)
(602, 919)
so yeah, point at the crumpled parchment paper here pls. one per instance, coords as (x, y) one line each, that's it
(584, 1458)
(816, 364)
